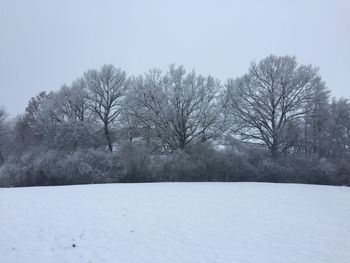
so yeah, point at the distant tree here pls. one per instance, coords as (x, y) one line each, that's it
(106, 90)
(73, 101)
(42, 119)
(182, 109)
(30, 127)
(270, 99)
(338, 124)
(21, 131)
(58, 120)
(132, 128)
(3, 116)
(316, 119)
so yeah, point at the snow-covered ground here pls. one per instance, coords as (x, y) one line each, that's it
(176, 222)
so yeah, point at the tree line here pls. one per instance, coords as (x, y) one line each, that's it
(276, 123)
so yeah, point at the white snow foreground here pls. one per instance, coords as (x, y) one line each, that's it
(176, 222)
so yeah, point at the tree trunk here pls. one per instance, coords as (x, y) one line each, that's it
(108, 137)
(274, 149)
(130, 135)
(1, 157)
(306, 139)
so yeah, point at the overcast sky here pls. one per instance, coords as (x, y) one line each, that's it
(44, 44)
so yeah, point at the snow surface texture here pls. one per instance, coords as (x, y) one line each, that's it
(176, 222)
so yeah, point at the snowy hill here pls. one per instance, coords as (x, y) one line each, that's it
(176, 222)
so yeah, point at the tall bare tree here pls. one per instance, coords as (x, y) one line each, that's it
(316, 119)
(267, 102)
(181, 108)
(106, 89)
(30, 126)
(338, 129)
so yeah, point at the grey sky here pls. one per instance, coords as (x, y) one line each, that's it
(44, 44)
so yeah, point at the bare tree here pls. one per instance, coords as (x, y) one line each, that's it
(181, 108)
(315, 127)
(31, 127)
(73, 101)
(337, 135)
(106, 89)
(269, 99)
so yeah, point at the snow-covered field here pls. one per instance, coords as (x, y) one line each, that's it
(176, 222)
